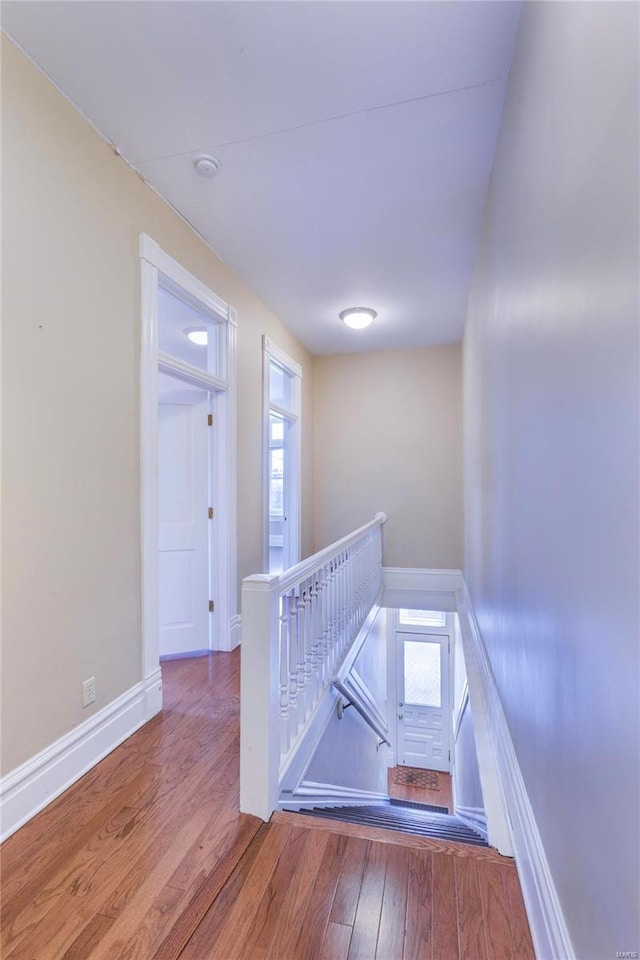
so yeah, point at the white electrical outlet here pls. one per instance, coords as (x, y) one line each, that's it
(88, 691)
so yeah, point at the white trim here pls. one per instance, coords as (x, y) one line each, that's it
(189, 374)
(152, 252)
(293, 415)
(225, 466)
(356, 687)
(460, 710)
(281, 358)
(506, 789)
(310, 794)
(235, 632)
(283, 412)
(408, 578)
(481, 706)
(33, 785)
(149, 465)
(158, 268)
(352, 655)
(474, 817)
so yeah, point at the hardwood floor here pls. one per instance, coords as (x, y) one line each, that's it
(147, 858)
(304, 893)
(109, 868)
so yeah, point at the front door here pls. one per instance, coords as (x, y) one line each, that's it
(183, 536)
(424, 714)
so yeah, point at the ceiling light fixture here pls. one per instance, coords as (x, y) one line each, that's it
(197, 335)
(206, 165)
(358, 317)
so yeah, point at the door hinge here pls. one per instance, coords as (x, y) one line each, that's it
(211, 513)
(212, 607)
(449, 756)
(209, 419)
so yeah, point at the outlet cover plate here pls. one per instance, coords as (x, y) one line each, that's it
(88, 691)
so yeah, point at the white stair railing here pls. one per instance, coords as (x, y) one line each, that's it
(296, 630)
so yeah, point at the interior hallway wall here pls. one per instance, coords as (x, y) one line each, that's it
(388, 436)
(72, 212)
(551, 450)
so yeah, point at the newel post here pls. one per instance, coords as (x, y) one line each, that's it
(259, 696)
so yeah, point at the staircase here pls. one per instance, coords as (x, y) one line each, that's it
(418, 819)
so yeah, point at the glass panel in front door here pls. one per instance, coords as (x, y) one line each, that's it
(422, 673)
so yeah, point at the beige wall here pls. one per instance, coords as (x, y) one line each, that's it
(388, 437)
(551, 450)
(71, 215)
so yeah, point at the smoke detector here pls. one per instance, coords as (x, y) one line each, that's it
(206, 165)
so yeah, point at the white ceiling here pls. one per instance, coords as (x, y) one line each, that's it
(355, 138)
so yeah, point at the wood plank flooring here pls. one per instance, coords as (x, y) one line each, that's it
(109, 868)
(148, 858)
(344, 897)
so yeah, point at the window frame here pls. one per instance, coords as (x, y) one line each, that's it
(271, 353)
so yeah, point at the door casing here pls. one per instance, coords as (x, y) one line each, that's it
(426, 726)
(158, 267)
(394, 627)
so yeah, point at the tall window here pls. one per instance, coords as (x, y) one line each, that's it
(282, 390)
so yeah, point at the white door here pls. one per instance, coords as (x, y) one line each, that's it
(183, 535)
(424, 714)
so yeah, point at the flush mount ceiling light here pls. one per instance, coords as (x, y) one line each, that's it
(197, 335)
(206, 165)
(358, 317)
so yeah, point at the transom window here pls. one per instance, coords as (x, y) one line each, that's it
(422, 618)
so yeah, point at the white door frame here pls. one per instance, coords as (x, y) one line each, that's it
(394, 627)
(156, 265)
(443, 639)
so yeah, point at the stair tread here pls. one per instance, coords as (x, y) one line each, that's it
(403, 819)
(414, 805)
(400, 813)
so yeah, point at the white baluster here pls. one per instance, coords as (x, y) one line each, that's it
(284, 676)
(317, 630)
(294, 709)
(298, 643)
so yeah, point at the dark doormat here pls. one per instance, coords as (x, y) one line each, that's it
(414, 777)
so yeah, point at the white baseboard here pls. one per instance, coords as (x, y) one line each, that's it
(33, 785)
(410, 578)
(230, 638)
(474, 817)
(235, 632)
(187, 655)
(460, 710)
(544, 911)
(309, 794)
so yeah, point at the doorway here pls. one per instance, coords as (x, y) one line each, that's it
(188, 463)
(185, 620)
(423, 725)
